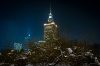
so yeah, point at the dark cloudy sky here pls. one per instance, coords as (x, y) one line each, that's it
(78, 18)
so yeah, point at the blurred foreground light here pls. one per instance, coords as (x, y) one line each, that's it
(0, 53)
(9, 53)
(12, 50)
(41, 41)
(65, 56)
(55, 48)
(69, 50)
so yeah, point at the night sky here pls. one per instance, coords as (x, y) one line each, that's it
(77, 18)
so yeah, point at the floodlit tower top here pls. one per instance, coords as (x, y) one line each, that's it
(50, 15)
(50, 19)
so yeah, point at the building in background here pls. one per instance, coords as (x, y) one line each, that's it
(27, 37)
(17, 46)
(50, 28)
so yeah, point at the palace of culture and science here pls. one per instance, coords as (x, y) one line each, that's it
(50, 29)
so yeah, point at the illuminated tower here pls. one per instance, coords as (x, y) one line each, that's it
(27, 38)
(50, 28)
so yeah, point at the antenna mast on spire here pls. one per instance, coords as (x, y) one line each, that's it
(50, 7)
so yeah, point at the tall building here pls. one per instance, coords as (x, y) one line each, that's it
(17, 46)
(28, 37)
(50, 28)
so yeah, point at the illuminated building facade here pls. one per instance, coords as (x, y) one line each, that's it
(50, 28)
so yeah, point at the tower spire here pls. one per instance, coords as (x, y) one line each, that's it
(50, 8)
(50, 15)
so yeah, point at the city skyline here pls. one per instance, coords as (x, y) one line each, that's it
(79, 19)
